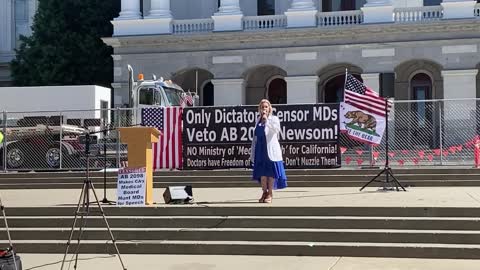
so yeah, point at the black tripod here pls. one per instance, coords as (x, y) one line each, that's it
(105, 200)
(387, 184)
(10, 248)
(83, 210)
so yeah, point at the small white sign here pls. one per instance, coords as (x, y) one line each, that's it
(131, 187)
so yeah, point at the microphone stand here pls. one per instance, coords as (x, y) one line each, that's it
(105, 200)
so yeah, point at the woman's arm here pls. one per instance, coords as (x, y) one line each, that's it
(273, 124)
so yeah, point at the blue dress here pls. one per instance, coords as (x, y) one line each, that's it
(263, 166)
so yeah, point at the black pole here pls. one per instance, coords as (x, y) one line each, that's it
(104, 166)
(387, 164)
(387, 170)
(105, 200)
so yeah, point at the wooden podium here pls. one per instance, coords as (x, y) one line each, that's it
(139, 141)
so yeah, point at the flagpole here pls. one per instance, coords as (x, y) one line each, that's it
(345, 83)
(196, 82)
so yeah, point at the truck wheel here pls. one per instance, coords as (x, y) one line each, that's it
(52, 156)
(16, 157)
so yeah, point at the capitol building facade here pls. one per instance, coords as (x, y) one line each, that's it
(296, 51)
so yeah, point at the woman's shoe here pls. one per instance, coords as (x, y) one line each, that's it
(268, 199)
(262, 199)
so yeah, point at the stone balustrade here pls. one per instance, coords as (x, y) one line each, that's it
(231, 19)
(192, 26)
(264, 22)
(338, 18)
(418, 14)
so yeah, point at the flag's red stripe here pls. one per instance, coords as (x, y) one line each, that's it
(368, 109)
(179, 138)
(375, 101)
(375, 106)
(168, 154)
(376, 109)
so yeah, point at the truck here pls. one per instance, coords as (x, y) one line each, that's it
(44, 132)
(156, 93)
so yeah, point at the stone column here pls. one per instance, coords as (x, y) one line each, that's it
(229, 91)
(456, 9)
(302, 89)
(229, 16)
(160, 9)
(7, 29)
(130, 10)
(407, 3)
(378, 11)
(302, 14)
(159, 19)
(459, 115)
(372, 80)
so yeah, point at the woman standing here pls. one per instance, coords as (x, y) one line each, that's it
(266, 153)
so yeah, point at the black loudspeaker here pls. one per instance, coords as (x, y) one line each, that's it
(178, 195)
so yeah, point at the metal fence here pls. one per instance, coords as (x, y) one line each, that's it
(421, 133)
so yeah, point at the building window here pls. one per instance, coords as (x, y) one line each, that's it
(277, 91)
(432, 2)
(421, 91)
(21, 11)
(265, 7)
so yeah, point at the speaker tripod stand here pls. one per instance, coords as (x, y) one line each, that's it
(83, 211)
(10, 247)
(388, 183)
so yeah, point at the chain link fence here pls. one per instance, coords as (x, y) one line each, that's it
(421, 133)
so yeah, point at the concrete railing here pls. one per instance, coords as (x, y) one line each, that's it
(338, 18)
(418, 14)
(264, 22)
(192, 26)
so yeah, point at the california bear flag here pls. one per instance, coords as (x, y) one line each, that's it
(361, 125)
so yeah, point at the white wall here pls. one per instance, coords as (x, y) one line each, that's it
(53, 99)
(102, 94)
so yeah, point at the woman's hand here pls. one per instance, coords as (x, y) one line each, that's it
(264, 116)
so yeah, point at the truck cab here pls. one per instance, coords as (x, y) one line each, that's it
(156, 93)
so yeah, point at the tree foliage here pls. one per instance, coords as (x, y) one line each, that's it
(65, 47)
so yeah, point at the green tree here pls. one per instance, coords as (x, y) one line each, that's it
(65, 47)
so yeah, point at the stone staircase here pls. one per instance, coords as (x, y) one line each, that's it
(414, 232)
(416, 177)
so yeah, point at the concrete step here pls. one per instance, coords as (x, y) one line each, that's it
(241, 178)
(363, 176)
(351, 249)
(418, 232)
(253, 234)
(243, 183)
(258, 210)
(256, 222)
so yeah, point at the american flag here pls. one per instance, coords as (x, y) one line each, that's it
(362, 97)
(187, 100)
(167, 153)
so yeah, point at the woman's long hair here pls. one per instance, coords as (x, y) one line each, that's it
(269, 106)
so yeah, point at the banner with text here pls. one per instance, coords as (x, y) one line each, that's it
(131, 186)
(220, 137)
